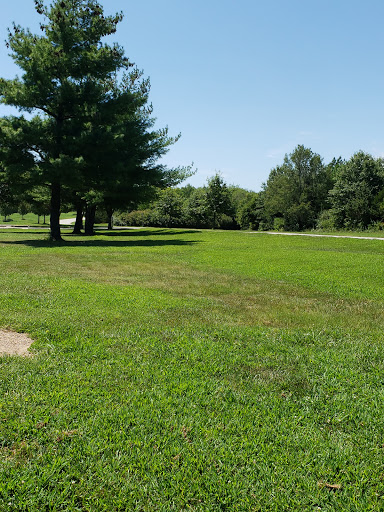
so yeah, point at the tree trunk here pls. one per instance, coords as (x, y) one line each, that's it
(79, 220)
(110, 217)
(38, 219)
(89, 220)
(55, 234)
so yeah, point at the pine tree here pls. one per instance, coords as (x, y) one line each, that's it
(84, 114)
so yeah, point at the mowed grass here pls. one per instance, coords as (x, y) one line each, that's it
(30, 219)
(180, 370)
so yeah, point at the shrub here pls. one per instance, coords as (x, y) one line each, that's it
(278, 224)
(136, 218)
(227, 222)
(326, 220)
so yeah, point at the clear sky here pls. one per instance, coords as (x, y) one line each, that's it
(245, 81)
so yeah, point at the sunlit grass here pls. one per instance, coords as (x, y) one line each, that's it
(30, 219)
(192, 370)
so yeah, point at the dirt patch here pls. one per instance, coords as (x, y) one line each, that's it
(14, 343)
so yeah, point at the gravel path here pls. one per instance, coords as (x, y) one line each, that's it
(313, 234)
(67, 221)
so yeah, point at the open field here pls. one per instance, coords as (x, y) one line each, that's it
(185, 370)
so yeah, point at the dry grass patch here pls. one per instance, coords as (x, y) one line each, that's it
(14, 343)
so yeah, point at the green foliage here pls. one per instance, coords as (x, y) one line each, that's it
(299, 216)
(298, 196)
(326, 220)
(39, 199)
(357, 194)
(134, 218)
(202, 207)
(218, 200)
(251, 212)
(93, 137)
(24, 208)
(298, 189)
(196, 210)
(168, 208)
(66, 71)
(8, 203)
(278, 224)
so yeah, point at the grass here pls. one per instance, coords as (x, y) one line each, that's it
(180, 370)
(376, 233)
(30, 219)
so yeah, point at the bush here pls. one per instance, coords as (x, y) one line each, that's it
(101, 216)
(138, 218)
(251, 213)
(227, 222)
(278, 224)
(264, 226)
(298, 217)
(326, 220)
(376, 226)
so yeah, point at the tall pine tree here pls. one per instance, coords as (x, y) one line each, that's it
(69, 81)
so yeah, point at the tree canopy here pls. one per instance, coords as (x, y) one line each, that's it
(297, 190)
(357, 195)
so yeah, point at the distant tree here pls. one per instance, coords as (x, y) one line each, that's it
(218, 200)
(168, 209)
(196, 211)
(355, 197)
(250, 214)
(8, 201)
(191, 207)
(187, 191)
(23, 208)
(239, 196)
(297, 190)
(39, 199)
(332, 170)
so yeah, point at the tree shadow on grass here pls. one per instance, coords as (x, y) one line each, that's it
(96, 242)
(147, 232)
(103, 238)
(121, 232)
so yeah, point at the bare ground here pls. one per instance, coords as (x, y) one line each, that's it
(14, 343)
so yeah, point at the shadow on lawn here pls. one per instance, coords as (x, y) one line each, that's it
(147, 232)
(97, 242)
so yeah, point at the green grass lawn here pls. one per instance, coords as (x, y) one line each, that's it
(30, 219)
(185, 370)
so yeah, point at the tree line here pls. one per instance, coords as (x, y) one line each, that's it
(300, 194)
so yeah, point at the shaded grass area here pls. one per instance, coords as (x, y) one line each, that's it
(186, 370)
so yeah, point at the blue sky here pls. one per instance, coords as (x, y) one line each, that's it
(246, 81)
